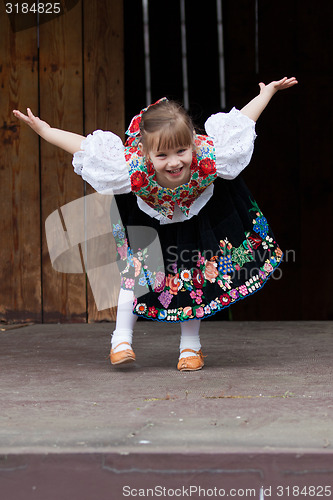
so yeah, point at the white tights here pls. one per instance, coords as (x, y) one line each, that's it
(126, 320)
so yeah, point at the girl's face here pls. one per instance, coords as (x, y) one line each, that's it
(172, 166)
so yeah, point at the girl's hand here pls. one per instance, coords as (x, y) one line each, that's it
(34, 122)
(284, 83)
(68, 141)
(255, 107)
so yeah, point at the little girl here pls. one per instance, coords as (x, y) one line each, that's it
(216, 243)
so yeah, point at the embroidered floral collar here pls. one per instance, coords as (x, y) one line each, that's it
(144, 184)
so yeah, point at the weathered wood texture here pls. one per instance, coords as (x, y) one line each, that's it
(104, 105)
(20, 289)
(74, 81)
(61, 97)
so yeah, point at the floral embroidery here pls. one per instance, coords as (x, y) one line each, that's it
(146, 278)
(118, 231)
(196, 296)
(211, 272)
(186, 275)
(199, 313)
(134, 127)
(139, 180)
(243, 290)
(220, 271)
(144, 184)
(225, 264)
(165, 298)
(225, 299)
(141, 308)
(260, 224)
(213, 305)
(198, 278)
(129, 283)
(174, 283)
(234, 294)
(240, 255)
(152, 312)
(159, 281)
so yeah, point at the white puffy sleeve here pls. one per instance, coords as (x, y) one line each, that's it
(101, 163)
(233, 135)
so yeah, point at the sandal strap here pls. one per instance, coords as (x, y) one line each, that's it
(121, 344)
(198, 353)
(189, 350)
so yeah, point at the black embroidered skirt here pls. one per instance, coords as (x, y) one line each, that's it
(193, 269)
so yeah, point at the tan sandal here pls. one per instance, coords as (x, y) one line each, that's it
(192, 363)
(122, 357)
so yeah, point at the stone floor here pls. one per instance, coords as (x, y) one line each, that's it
(262, 406)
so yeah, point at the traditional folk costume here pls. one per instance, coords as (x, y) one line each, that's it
(216, 243)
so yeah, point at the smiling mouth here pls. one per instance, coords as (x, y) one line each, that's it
(176, 171)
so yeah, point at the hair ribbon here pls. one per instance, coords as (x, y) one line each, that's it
(134, 127)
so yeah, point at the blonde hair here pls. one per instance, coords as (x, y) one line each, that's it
(166, 125)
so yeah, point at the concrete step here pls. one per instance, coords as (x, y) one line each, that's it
(258, 416)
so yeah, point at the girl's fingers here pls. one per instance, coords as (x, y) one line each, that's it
(27, 119)
(20, 115)
(291, 82)
(286, 82)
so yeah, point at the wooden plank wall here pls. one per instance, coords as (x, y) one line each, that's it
(104, 95)
(20, 288)
(81, 80)
(61, 98)
(290, 173)
(74, 81)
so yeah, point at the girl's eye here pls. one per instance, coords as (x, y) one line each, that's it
(181, 151)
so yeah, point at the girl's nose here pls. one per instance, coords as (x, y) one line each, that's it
(173, 161)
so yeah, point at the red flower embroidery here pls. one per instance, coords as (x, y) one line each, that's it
(255, 240)
(225, 299)
(152, 312)
(152, 205)
(129, 152)
(135, 124)
(198, 278)
(138, 181)
(150, 168)
(150, 199)
(144, 183)
(129, 141)
(206, 167)
(194, 164)
(173, 282)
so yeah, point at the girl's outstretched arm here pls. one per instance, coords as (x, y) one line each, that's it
(255, 107)
(68, 141)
